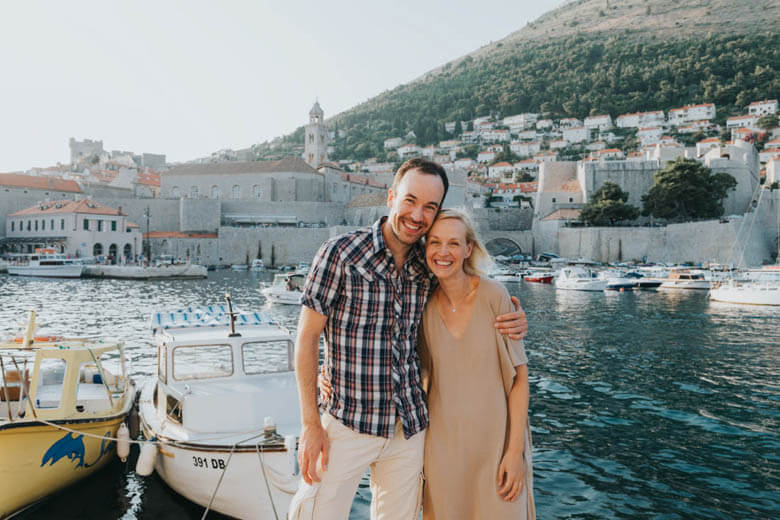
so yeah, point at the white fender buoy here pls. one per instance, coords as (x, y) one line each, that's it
(123, 442)
(145, 464)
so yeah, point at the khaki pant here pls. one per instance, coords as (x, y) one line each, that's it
(396, 475)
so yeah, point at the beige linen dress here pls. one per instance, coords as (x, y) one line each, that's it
(468, 380)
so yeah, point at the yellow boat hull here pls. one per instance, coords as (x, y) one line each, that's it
(37, 460)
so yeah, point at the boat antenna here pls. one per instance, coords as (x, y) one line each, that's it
(232, 316)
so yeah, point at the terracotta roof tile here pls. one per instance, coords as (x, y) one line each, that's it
(14, 180)
(85, 206)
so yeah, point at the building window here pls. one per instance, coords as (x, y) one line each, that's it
(553, 199)
(236, 191)
(571, 199)
(311, 138)
(176, 192)
(100, 225)
(113, 225)
(257, 192)
(43, 225)
(36, 225)
(52, 224)
(194, 192)
(215, 192)
(12, 225)
(62, 223)
(86, 225)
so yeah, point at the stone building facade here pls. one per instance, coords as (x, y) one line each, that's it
(315, 146)
(287, 180)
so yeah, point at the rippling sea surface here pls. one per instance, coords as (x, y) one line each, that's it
(643, 404)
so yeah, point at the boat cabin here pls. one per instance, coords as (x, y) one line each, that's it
(58, 378)
(210, 379)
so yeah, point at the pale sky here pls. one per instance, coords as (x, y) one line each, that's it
(187, 78)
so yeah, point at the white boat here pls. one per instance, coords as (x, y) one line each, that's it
(747, 292)
(3, 266)
(302, 268)
(685, 279)
(62, 401)
(257, 265)
(617, 280)
(576, 278)
(45, 264)
(224, 410)
(285, 289)
(239, 267)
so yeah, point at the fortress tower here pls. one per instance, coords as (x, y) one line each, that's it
(315, 146)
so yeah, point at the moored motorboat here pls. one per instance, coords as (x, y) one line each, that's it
(45, 264)
(257, 265)
(223, 410)
(62, 401)
(577, 278)
(685, 279)
(239, 267)
(617, 280)
(285, 289)
(747, 292)
(146, 272)
(539, 276)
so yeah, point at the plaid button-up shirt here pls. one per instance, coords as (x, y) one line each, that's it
(374, 311)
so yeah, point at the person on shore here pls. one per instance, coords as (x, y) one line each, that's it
(366, 291)
(478, 444)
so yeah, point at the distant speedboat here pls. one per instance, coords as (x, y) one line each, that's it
(747, 292)
(46, 265)
(579, 279)
(224, 410)
(286, 288)
(617, 280)
(257, 265)
(684, 279)
(539, 277)
(62, 401)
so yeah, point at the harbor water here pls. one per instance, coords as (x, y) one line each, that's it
(643, 404)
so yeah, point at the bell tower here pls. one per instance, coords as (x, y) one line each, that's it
(315, 145)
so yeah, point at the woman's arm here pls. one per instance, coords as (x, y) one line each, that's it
(511, 471)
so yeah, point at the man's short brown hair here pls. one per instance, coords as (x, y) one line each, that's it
(425, 166)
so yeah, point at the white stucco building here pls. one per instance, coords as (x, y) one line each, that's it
(762, 108)
(689, 113)
(75, 228)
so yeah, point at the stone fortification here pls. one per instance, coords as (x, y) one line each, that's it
(558, 184)
(288, 180)
(633, 177)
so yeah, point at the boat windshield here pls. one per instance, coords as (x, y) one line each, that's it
(202, 362)
(263, 357)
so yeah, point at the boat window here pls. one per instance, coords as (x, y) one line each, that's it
(264, 357)
(48, 393)
(202, 362)
(97, 380)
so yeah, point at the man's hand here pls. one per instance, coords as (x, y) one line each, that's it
(312, 443)
(513, 324)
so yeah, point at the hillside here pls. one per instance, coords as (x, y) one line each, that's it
(586, 57)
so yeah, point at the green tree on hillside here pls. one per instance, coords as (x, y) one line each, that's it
(685, 190)
(607, 206)
(767, 122)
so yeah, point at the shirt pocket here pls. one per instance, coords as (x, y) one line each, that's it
(362, 296)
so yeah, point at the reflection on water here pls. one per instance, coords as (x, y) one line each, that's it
(643, 404)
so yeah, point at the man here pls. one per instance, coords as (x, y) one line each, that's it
(366, 290)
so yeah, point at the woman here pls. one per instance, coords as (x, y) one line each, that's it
(478, 445)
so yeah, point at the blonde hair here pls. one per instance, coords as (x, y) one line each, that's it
(479, 260)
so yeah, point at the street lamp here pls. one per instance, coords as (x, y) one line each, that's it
(148, 243)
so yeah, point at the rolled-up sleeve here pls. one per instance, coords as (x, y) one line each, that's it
(323, 284)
